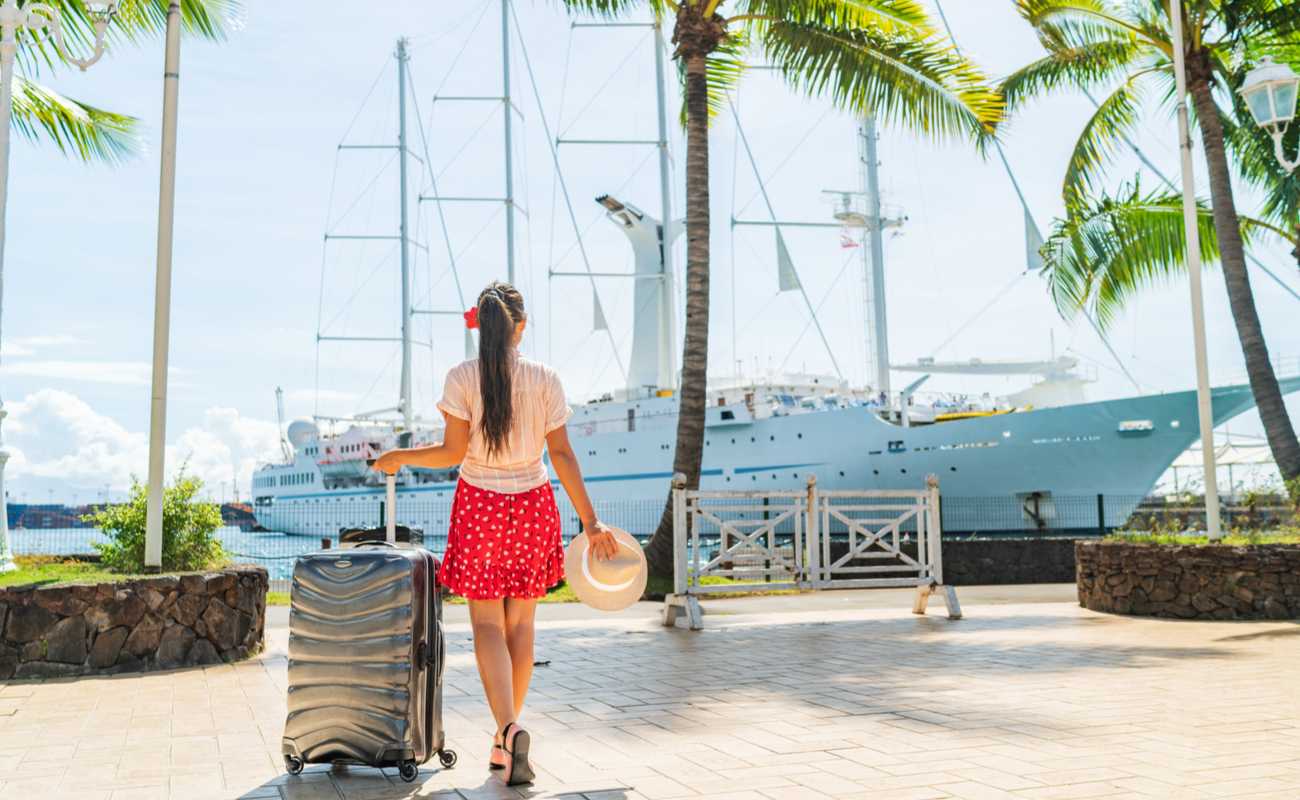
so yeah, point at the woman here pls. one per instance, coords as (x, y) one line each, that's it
(503, 546)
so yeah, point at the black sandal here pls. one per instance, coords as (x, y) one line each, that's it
(520, 772)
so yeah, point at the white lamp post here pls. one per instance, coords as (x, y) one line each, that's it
(1204, 407)
(1270, 93)
(32, 17)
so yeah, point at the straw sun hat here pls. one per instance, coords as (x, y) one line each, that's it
(606, 584)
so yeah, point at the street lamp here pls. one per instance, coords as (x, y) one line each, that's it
(1270, 93)
(32, 17)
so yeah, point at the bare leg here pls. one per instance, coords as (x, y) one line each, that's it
(519, 615)
(493, 657)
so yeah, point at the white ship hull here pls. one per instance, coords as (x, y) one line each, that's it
(1057, 459)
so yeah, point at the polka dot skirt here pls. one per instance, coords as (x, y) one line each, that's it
(502, 545)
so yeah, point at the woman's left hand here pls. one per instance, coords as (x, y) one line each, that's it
(389, 462)
(600, 538)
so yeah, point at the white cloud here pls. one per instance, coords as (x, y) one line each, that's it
(127, 373)
(29, 345)
(53, 434)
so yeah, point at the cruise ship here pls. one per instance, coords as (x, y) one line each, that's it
(1033, 460)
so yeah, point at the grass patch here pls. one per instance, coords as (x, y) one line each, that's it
(46, 570)
(277, 598)
(1231, 540)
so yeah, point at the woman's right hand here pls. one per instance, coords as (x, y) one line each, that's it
(388, 462)
(600, 539)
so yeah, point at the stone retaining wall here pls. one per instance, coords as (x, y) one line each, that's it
(1190, 582)
(150, 623)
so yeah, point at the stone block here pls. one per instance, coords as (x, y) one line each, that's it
(61, 600)
(66, 641)
(192, 584)
(202, 653)
(28, 622)
(144, 638)
(107, 646)
(124, 608)
(217, 583)
(8, 661)
(47, 669)
(175, 646)
(188, 608)
(222, 624)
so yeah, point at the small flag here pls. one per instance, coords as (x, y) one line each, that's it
(1033, 244)
(598, 313)
(847, 241)
(787, 278)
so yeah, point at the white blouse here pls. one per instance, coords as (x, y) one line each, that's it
(539, 407)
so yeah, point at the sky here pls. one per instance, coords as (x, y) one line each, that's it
(261, 179)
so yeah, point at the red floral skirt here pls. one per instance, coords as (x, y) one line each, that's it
(502, 545)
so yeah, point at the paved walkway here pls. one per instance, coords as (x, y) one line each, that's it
(844, 695)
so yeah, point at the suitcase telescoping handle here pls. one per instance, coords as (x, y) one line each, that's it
(390, 505)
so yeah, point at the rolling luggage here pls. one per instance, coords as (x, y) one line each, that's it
(366, 653)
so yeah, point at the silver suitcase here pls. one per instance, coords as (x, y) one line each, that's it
(366, 655)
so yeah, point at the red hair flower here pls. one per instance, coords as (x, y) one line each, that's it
(471, 318)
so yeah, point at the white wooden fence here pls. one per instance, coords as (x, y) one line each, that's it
(791, 540)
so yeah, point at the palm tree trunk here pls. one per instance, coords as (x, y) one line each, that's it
(691, 396)
(1263, 383)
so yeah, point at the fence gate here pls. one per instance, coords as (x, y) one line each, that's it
(782, 540)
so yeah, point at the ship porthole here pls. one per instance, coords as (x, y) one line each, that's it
(873, 472)
(798, 436)
(903, 470)
(952, 469)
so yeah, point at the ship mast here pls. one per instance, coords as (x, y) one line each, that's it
(873, 258)
(405, 401)
(506, 113)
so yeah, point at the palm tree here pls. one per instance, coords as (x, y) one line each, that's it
(77, 128)
(867, 56)
(1101, 43)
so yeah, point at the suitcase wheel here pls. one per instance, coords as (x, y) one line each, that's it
(293, 764)
(447, 758)
(408, 771)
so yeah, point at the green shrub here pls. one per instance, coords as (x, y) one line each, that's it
(189, 529)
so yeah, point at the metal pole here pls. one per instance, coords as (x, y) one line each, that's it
(667, 291)
(507, 109)
(9, 18)
(873, 274)
(1190, 213)
(153, 542)
(402, 237)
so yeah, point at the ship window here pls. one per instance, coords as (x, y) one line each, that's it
(728, 415)
(873, 472)
(903, 470)
(952, 469)
(798, 436)
(771, 438)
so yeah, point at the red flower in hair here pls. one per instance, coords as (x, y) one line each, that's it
(471, 318)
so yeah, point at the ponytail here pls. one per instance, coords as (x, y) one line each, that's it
(500, 309)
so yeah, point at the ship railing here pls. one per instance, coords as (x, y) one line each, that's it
(746, 542)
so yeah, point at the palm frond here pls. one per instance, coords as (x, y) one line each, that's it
(1066, 24)
(78, 129)
(918, 82)
(723, 69)
(609, 9)
(1115, 118)
(1082, 67)
(886, 16)
(134, 21)
(1111, 248)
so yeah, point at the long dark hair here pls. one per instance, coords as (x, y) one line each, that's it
(500, 309)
